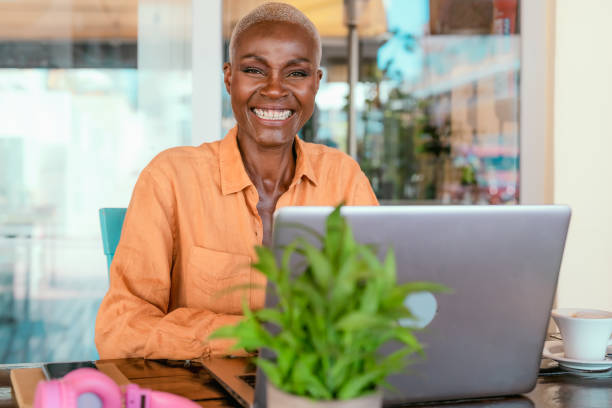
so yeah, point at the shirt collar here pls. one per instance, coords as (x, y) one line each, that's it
(234, 177)
(303, 165)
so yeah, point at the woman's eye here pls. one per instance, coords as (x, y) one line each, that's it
(298, 74)
(251, 70)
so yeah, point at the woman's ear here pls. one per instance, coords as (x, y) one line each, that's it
(319, 77)
(227, 76)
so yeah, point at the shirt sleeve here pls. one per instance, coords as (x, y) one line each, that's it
(360, 191)
(363, 193)
(133, 319)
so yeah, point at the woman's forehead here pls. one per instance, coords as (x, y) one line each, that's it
(276, 37)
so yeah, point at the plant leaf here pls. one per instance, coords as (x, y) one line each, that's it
(271, 370)
(332, 241)
(270, 315)
(389, 269)
(356, 386)
(405, 335)
(319, 265)
(363, 321)
(266, 263)
(303, 375)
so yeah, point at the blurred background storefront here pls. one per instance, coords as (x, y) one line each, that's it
(453, 104)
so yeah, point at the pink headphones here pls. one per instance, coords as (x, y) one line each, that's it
(65, 392)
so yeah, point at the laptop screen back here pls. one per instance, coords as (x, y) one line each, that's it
(502, 263)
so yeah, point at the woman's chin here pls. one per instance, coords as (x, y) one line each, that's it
(266, 136)
(274, 139)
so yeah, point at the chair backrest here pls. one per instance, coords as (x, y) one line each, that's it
(111, 223)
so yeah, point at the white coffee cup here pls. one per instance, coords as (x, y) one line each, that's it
(586, 332)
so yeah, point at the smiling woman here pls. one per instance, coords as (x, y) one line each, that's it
(272, 82)
(197, 213)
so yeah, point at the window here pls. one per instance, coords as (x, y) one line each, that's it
(88, 98)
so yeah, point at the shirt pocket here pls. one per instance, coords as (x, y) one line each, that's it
(218, 280)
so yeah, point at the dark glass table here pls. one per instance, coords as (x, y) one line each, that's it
(556, 388)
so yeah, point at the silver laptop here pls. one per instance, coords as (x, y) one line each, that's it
(485, 339)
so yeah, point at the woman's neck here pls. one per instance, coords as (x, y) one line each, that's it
(271, 169)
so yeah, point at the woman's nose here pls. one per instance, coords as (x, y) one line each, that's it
(274, 87)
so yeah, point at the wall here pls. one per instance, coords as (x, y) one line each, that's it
(583, 149)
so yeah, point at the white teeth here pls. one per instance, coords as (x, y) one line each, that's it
(272, 114)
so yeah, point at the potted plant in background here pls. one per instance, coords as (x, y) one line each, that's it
(330, 322)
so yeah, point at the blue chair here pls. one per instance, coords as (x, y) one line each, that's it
(111, 223)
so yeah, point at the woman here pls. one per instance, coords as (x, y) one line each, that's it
(197, 212)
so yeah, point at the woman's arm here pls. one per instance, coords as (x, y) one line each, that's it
(133, 319)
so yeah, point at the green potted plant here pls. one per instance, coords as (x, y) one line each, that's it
(330, 322)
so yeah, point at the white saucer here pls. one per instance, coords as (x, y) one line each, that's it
(554, 351)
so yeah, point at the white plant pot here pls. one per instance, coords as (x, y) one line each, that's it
(279, 399)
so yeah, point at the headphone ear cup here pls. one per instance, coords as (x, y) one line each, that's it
(90, 380)
(54, 394)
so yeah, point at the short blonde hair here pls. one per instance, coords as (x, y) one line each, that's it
(275, 12)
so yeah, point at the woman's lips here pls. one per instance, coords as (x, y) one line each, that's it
(272, 114)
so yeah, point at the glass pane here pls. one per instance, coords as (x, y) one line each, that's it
(437, 98)
(78, 123)
(440, 121)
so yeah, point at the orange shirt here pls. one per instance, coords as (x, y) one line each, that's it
(189, 235)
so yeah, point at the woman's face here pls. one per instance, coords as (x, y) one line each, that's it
(272, 80)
